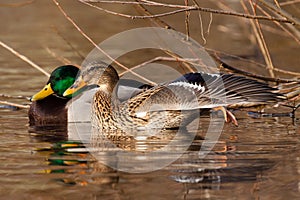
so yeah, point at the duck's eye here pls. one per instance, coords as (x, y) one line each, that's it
(46, 89)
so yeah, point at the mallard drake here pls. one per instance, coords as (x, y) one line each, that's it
(168, 105)
(48, 106)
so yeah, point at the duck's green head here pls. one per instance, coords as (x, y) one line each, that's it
(61, 79)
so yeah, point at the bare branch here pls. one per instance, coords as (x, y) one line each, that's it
(158, 21)
(14, 104)
(261, 41)
(294, 36)
(246, 73)
(24, 58)
(182, 8)
(192, 61)
(281, 12)
(289, 2)
(62, 59)
(91, 41)
(187, 18)
(14, 97)
(16, 4)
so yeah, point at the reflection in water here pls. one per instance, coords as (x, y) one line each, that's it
(226, 163)
(259, 153)
(139, 154)
(221, 169)
(80, 164)
(48, 133)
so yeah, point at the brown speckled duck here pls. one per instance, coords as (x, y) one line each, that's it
(169, 105)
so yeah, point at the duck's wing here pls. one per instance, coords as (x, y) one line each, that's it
(236, 88)
(251, 90)
(202, 90)
(128, 88)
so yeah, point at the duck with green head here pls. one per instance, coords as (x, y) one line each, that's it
(49, 105)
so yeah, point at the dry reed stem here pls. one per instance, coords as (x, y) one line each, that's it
(141, 3)
(187, 18)
(74, 50)
(183, 8)
(261, 41)
(14, 104)
(92, 42)
(280, 12)
(220, 4)
(289, 2)
(191, 61)
(184, 61)
(277, 4)
(246, 73)
(13, 97)
(214, 52)
(159, 22)
(24, 58)
(62, 59)
(288, 32)
(16, 4)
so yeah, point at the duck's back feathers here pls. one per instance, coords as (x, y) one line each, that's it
(202, 90)
(236, 88)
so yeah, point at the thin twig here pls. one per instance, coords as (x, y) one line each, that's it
(289, 2)
(16, 4)
(14, 104)
(202, 28)
(92, 42)
(62, 59)
(24, 58)
(259, 38)
(13, 97)
(161, 58)
(277, 4)
(236, 70)
(158, 21)
(261, 41)
(281, 12)
(214, 52)
(187, 8)
(294, 36)
(75, 50)
(187, 18)
(185, 61)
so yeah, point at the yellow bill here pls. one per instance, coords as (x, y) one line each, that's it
(46, 91)
(74, 88)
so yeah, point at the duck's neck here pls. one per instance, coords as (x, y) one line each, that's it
(104, 105)
(105, 100)
(108, 80)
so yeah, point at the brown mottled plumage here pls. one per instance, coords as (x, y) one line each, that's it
(168, 105)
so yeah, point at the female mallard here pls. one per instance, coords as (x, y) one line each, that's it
(168, 105)
(49, 105)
